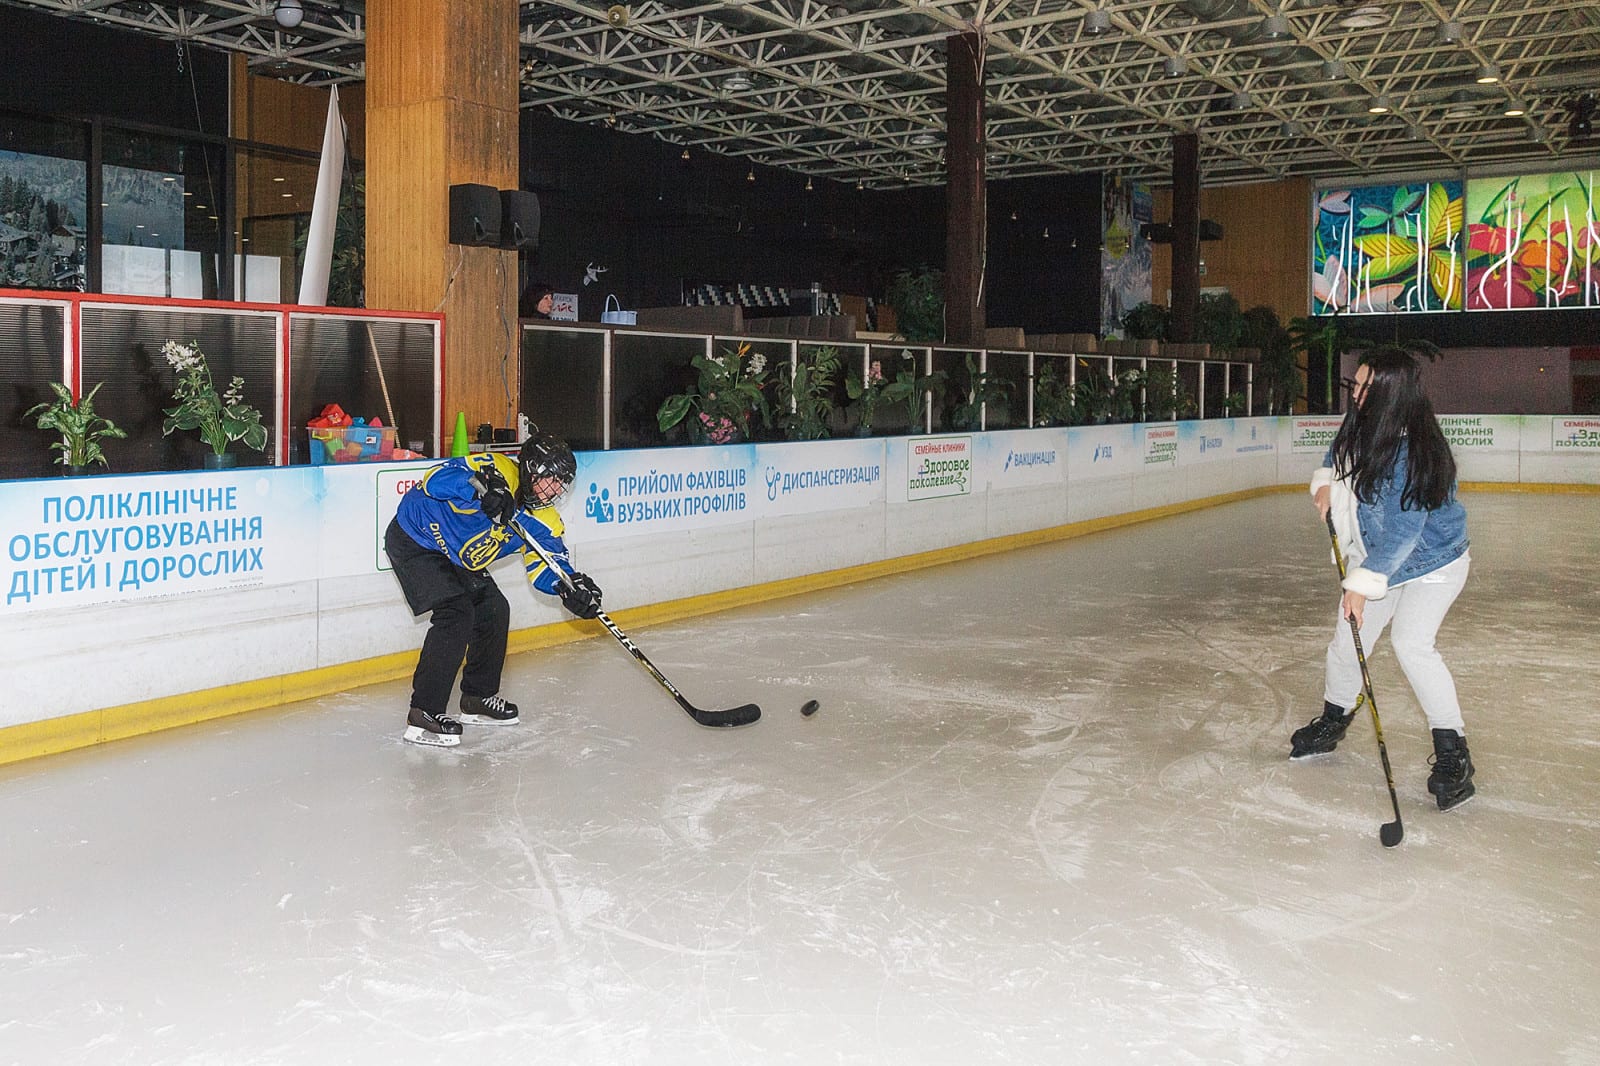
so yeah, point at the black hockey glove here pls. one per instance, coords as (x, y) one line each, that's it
(582, 597)
(496, 500)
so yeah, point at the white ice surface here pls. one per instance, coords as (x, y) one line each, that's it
(1043, 816)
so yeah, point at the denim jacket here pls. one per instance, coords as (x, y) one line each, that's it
(1401, 543)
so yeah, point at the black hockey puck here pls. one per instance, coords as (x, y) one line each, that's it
(809, 708)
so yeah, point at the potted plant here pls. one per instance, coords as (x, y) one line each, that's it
(1322, 337)
(221, 419)
(1055, 400)
(1146, 322)
(729, 392)
(80, 427)
(1219, 322)
(1280, 377)
(984, 387)
(866, 392)
(917, 297)
(806, 402)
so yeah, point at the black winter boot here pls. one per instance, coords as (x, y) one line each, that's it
(1451, 780)
(1323, 733)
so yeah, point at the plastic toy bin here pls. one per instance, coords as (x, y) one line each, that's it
(351, 444)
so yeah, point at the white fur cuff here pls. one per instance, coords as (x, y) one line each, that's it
(1321, 478)
(1368, 583)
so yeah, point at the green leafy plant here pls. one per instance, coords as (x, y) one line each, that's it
(1055, 400)
(728, 401)
(1280, 375)
(221, 419)
(913, 388)
(1165, 395)
(866, 392)
(806, 403)
(1322, 337)
(80, 427)
(1147, 322)
(1219, 322)
(917, 297)
(983, 387)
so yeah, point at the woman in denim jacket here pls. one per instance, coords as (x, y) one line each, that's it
(1389, 481)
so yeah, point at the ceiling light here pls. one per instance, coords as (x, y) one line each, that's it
(1449, 32)
(1462, 104)
(1273, 28)
(280, 179)
(1514, 108)
(924, 139)
(1240, 101)
(750, 175)
(288, 13)
(1290, 128)
(1581, 126)
(737, 83)
(1096, 22)
(1488, 74)
(1365, 17)
(808, 183)
(1175, 66)
(1380, 105)
(685, 155)
(1333, 69)
(1414, 132)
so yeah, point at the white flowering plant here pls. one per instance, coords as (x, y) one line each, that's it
(728, 400)
(220, 418)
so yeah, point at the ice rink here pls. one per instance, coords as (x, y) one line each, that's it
(1044, 815)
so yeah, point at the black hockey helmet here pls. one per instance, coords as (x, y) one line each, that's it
(543, 456)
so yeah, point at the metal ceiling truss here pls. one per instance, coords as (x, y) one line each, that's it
(853, 90)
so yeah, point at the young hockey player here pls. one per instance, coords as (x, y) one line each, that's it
(1390, 481)
(451, 525)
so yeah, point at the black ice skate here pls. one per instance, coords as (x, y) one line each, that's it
(434, 731)
(489, 710)
(1451, 780)
(1323, 733)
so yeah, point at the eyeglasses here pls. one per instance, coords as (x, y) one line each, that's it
(1351, 385)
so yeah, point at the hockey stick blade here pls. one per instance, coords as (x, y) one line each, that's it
(1391, 833)
(736, 716)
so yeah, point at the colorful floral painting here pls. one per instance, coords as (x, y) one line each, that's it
(1534, 241)
(1379, 249)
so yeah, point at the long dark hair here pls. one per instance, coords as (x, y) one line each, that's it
(1395, 410)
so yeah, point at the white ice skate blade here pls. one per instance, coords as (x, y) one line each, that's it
(418, 735)
(1310, 755)
(483, 719)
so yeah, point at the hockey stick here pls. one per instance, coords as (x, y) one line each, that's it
(735, 716)
(1391, 833)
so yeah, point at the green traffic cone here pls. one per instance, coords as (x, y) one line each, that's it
(458, 444)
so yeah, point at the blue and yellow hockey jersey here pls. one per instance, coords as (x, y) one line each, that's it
(441, 512)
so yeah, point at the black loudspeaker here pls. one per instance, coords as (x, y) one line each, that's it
(519, 219)
(474, 215)
(1210, 230)
(1156, 232)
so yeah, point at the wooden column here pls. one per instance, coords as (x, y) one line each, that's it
(1185, 235)
(441, 111)
(966, 214)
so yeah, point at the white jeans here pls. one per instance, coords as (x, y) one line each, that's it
(1416, 609)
